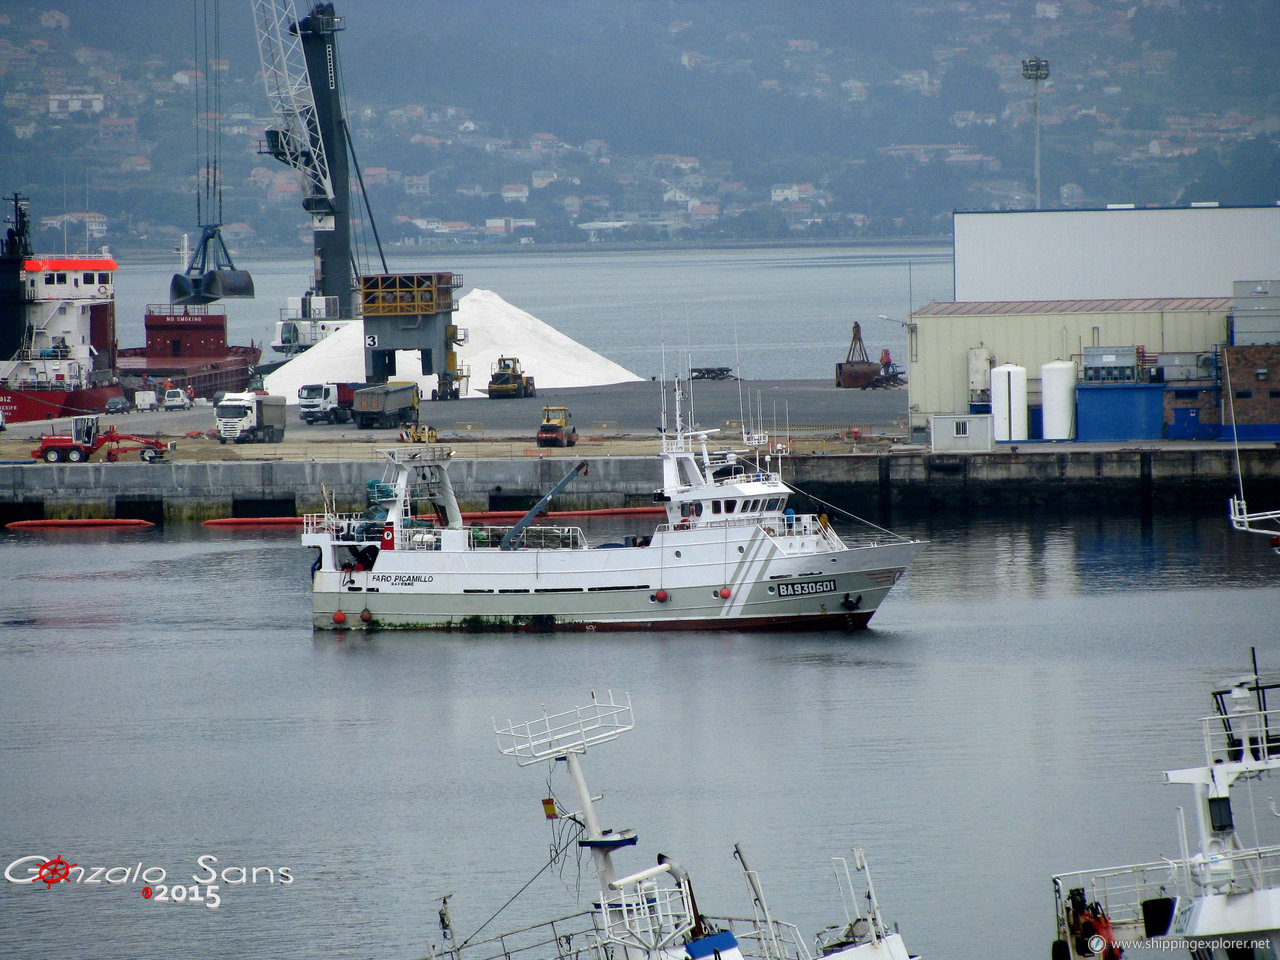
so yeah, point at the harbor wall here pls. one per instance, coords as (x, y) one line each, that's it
(896, 485)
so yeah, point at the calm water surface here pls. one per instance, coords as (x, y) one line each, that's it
(163, 699)
(770, 314)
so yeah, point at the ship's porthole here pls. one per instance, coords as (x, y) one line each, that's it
(773, 589)
(741, 549)
(677, 554)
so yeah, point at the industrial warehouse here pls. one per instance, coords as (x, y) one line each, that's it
(1170, 333)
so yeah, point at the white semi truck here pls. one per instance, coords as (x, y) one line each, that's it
(250, 418)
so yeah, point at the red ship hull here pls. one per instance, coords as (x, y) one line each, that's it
(26, 406)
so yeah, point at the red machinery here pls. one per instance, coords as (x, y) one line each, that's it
(86, 440)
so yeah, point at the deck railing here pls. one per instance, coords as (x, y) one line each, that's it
(578, 936)
(1245, 735)
(1121, 891)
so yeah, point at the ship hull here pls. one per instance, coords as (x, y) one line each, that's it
(734, 579)
(27, 406)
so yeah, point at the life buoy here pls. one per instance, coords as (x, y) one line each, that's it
(103, 289)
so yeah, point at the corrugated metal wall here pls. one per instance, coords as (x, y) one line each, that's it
(938, 345)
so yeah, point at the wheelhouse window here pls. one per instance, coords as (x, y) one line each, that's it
(730, 505)
(715, 506)
(104, 278)
(88, 278)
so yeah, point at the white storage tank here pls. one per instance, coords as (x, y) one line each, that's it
(1009, 402)
(1058, 397)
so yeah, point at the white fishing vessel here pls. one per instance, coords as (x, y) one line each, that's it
(1221, 902)
(732, 555)
(650, 914)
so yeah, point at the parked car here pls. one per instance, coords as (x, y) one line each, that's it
(176, 400)
(117, 405)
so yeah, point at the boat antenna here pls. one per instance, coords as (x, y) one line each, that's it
(663, 394)
(688, 372)
(737, 365)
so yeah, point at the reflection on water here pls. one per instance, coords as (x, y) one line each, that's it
(1007, 717)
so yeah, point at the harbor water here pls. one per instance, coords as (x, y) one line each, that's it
(170, 718)
(775, 313)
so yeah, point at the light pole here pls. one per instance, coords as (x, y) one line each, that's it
(1035, 70)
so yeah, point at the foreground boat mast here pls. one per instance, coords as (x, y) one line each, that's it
(650, 914)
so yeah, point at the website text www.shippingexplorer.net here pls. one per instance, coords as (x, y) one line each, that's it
(1098, 945)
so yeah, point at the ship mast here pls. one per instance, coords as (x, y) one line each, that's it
(565, 737)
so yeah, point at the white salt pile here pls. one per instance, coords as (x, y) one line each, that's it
(494, 328)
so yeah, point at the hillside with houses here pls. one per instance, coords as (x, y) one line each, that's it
(706, 120)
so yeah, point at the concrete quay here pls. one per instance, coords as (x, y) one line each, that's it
(889, 485)
(846, 448)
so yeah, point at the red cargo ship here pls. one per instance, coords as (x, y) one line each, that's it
(187, 344)
(57, 329)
